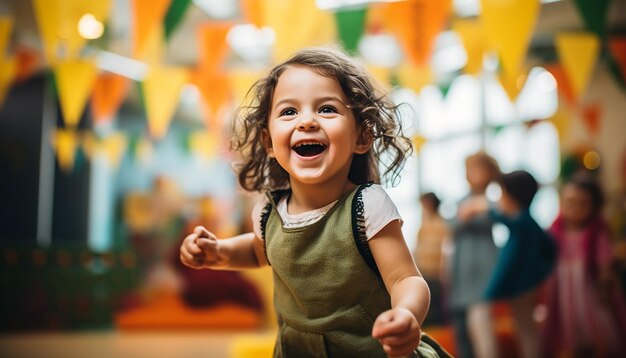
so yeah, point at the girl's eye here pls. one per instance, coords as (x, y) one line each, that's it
(288, 112)
(328, 109)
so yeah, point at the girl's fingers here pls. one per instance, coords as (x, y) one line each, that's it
(202, 232)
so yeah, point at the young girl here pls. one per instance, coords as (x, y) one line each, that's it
(345, 282)
(472, 263)
(586, 313)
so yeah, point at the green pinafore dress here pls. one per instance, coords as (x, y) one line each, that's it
(326, 295)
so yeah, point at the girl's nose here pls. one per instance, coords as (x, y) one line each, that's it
(308, 123)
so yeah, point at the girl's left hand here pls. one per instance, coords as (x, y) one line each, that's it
(398, 331)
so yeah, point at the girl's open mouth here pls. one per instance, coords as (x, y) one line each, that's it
(309, 149)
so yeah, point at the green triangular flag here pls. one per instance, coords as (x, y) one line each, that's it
(351, 25)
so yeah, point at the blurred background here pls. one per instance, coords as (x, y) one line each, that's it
(115, 125)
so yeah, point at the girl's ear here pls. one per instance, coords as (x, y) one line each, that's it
(267, 142)
(364, 140)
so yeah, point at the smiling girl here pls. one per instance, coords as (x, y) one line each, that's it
(345, 284)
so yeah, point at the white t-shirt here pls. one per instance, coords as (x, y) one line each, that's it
(379, 211)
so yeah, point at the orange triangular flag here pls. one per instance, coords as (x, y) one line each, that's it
(214, 87)
(253, 11)
(592, 117)
(563, 86)
(147, 18)
(416, 23)
(74, 80)
(161, 92)
(212, 45)
(108, 94)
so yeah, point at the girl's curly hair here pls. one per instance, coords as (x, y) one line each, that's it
(371, 108)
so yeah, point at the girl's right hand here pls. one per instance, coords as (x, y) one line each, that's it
(201, 250)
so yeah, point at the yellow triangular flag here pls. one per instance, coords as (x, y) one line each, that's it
(6, 26)
(562, 122)
(144, 151)
(418, 142)
(382, 75)
(414, 77)
(474, 41)
(74, 80)
(8, 69)
(508, 26)
(47, 14)
(578, 53)
(240, 83)
(65, 142)
(298, 24)
(203, 143)
(512, 83)
(161, 90)
(114, 147)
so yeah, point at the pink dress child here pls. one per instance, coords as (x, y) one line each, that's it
(580, 318)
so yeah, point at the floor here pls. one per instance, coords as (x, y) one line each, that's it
(131, 344)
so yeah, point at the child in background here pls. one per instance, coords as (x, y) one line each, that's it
(473, 259)
(345, 282)
(526, 259)
(432, 237)
(586, 313)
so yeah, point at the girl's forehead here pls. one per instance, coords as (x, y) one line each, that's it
(306, 80)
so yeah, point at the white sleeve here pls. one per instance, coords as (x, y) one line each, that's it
(378, 210)
(256, 216)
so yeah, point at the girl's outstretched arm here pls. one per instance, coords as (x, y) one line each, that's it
(399, 329)
(202, 249)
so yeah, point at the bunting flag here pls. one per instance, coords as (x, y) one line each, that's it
(6, 27)
(416, 23)
(578, 53)
(113, 147)
(241, 82)
(8, 69)
(508, 27)
(147, 16)
(592, 117)
(593, 13)
(174, 15)
(108, 94)
(215, 91)
(418, 143)
(161, 91)
(512, 83)
(562, 122)
(203, 144)
(212, 46)
(144, 151)
(58, 25)
(298, 24)
(350, 26)
(381, 74)
(28, 60)
(74, 80)
(414, 77)
(65, 143)
(617, 46)
(473, 38)
(254, 11)
(564, 87)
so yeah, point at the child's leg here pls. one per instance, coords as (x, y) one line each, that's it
(463, 343)
(480, 322)
(522, 309)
